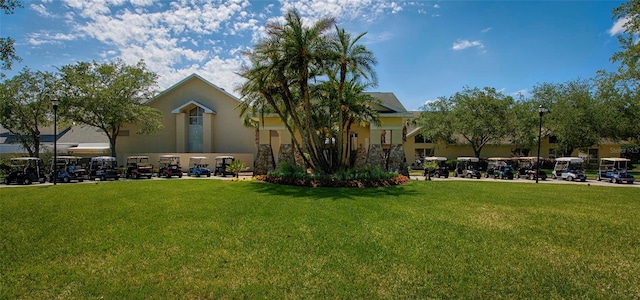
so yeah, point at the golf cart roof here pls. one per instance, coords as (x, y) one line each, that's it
(498, 158)
(25, 158)
(570, 159)
(224, 157)
(68, 157)
(198, 157)
(433, 158)
(468, 158)
(169, 156)
(614, 159)
(99, 158)
(137, 157)
(529, 158)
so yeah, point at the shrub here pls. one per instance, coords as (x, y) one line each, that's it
(367, 176)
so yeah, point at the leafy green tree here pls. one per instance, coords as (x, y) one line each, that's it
(574, 113)
(619, 107)
(522, 129)
(110, 96)
(25, 107)
(629, 54)
(7, 49)
(306, 76)
(479, 116)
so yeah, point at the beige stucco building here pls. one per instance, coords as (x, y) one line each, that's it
(202, 119)
(199, 119)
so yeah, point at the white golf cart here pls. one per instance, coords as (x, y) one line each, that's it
(569, 168)
(614, 169)
(468, 167)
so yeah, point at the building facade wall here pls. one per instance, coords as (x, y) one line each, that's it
(223, 130)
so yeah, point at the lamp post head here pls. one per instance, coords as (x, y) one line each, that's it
(54, 100)
(542, 110)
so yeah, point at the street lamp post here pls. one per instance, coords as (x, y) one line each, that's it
(54, 103)
(541, 111)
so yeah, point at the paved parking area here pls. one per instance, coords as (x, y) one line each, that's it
(589, 182)
(420, 178)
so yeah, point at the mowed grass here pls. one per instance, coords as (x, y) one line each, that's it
(188, 239)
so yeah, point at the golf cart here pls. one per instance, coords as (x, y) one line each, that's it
(468, 167)
(222, 162)
(66, 169)
(528, 166)
(169, 166)
(615, 170)
(198, 167)
(569, 168)
(138, 166)
(495, 165)
(441, 171)
(103, 167)
(25, 170)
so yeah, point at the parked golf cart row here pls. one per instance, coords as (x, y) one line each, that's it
(565, 168)
(26, 170)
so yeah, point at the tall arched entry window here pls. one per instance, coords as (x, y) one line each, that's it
(195, 129)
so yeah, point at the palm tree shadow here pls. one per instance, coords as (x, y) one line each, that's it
(324, 193)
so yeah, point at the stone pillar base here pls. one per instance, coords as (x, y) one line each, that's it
(361, 157)
(264, 160)
(375, 156)
(285, 154)
(397, 161)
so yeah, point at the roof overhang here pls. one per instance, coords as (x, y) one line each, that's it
(206, 109)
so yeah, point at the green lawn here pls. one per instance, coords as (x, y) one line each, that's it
(213, 239)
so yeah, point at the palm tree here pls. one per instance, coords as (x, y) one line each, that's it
(301, 73)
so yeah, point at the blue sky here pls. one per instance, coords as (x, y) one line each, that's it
(425, 49)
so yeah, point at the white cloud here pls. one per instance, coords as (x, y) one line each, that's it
(486, 30)
(464, 44)
(40, 9)
(520, 93)
(179, 37)
(436, 5)
(618, 26)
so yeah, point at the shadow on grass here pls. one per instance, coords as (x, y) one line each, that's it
(341, 193)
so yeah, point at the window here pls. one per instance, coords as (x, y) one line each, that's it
(420, 139)
(195, 116)
(354, 141)
(195, 129)
(553, 139)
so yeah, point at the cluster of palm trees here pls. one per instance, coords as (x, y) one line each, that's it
(313, 78)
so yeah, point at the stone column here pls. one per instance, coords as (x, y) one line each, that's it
(264, 160)
(375, 156)
(361, 156)
(397, 161)
(285, 154)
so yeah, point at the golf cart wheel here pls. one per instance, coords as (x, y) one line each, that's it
(80, 180)
(598, 178)
(134, 175)
(208, 174)
(570, 178)
(66, 179)
(478, 176)
(148, 176)
(26, 181)
(103, 178)
(180, 175)
(6, 181)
